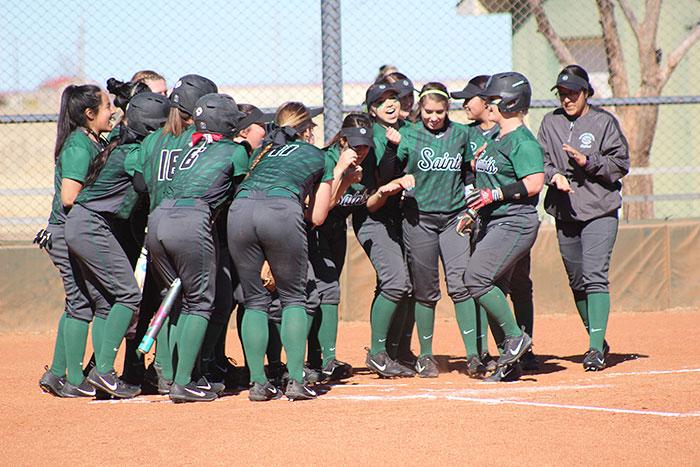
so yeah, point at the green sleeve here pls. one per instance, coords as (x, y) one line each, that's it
(527, 159)
(475, 141)
(328, 166)
(131, 161)
(239, 159)
(75, 161)
(404, 146)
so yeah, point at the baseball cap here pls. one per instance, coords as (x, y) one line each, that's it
(377, 90)
(473, 88)
(404, 87)
(255, 116)
(570, 81)
(358, 136)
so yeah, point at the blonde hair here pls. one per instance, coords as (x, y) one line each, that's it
(146, 75)
(293, 114)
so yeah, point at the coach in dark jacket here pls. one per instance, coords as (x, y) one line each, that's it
(585, 157)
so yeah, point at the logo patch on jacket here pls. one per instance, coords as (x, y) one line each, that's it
(586, 140)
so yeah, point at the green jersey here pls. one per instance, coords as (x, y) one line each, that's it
(507, 160)
(207, 172)
(73, 162)
(379, 138)
(438, 161)
(112, 192)
(158, 157)
(357, 194)
(290, 170)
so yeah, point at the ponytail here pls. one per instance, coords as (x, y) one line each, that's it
(75, 100)
(126, 136)
(176, 123)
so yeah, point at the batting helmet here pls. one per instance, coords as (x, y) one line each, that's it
(147, 112)
(217, 113)
(189, 89)
(512, 88)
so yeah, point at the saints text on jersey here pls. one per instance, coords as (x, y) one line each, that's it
(429, 162)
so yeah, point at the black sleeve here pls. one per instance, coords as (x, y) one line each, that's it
(139, 183)
(390, 167)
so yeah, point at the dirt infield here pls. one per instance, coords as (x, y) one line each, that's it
(643, 410)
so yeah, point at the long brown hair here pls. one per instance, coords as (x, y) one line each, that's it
(177, 122)
(75, 100)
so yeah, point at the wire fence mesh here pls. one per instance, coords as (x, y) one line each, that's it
(266, 52)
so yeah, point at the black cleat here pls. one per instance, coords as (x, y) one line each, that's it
(506, 374)
(475, 368)
(336, 370)
(529, 361)
(513, 348)
(426, 367)
(594, 360)
(606, 349)
(84, 389)
(205, 385)
(488, 362)
(407, 359)
(381, 364)
(312, 375)
(299, 392)
(50, 383)
(263, 392)
(190, 393)
(111, 384)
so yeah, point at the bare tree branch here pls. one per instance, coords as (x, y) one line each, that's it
(631, 17)
(650, 24)
(613, 49)
(677, 55)
(545, 28)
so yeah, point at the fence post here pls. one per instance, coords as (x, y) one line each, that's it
(331, 58)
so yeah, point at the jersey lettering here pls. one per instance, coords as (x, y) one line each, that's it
(354, 199)
(284, 151)
(428, 161)
(167, 163)
(486, 164)
(189, 160)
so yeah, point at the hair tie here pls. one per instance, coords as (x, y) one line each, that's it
(433, 91)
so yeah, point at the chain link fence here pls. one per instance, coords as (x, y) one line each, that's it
(327, 52)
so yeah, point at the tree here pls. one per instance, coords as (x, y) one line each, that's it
(638, 122)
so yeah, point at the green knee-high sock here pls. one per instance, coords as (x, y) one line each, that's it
(524, 314)
(383, 310)
(164, 358)
(581, 299)
(115, 328)
(497, 333)
(497, 306)
(466, 319)
(98, 335)
(274, 344)
(58, 365)
(75, 334)
(188, 346)
(211, 337)
(409, 323)
(220, 347)
(314, 354)
(425, 322)
(255, 333)
(598, 312)
(328, 331)
(294, 325)
(395, 332)
(482, 329)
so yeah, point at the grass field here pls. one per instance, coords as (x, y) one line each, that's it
(642, 410)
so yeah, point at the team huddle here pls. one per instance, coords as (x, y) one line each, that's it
(238, 209)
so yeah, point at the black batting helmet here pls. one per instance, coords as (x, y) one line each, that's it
(217, 113)
(189, 89)
(512, 88)
(146, 112)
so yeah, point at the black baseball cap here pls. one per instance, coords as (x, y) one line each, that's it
(358, 136)
(404, 87)
(255, 116)
(473, 88)
(570, 81)
(377, 90)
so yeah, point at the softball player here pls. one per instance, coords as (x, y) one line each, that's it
(270, 201)
(509, 177)
(436, 152)
(159, 156)
(85, 113)
(586, 156)
(204, 179)
(379, 230)
(108, 196)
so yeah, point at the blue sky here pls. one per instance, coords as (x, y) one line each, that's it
(244, 41)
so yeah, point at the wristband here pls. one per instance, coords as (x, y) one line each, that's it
(515, 191)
